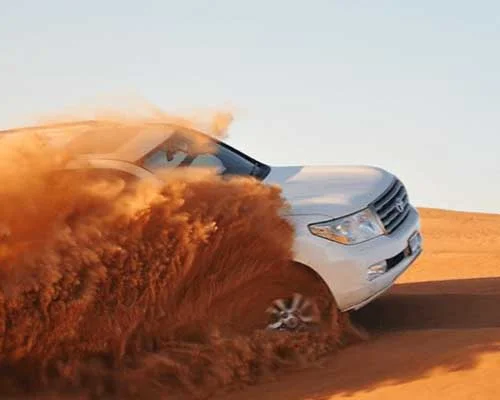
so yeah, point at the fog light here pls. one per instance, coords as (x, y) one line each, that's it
(376, 270)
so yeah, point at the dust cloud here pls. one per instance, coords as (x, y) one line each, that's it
(116, 290)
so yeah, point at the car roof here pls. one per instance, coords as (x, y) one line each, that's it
(119, 140)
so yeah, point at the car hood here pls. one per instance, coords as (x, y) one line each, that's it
(331, 191)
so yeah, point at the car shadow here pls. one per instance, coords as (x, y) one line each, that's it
(455, 304)
(415, 328)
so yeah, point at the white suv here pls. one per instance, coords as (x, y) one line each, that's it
(355, 227)
(356, 231)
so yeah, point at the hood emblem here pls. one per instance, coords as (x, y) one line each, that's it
(400, 205)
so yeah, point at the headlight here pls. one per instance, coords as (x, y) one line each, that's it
(352, 229)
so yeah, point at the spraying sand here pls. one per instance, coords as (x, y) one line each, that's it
(142, 291)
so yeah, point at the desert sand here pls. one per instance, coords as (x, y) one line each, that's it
(435, 334)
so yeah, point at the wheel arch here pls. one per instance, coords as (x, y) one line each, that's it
(314, 275)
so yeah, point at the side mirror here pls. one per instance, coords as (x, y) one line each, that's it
(175, 145)
(169, 154)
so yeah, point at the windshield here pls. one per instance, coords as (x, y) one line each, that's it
(181, 150)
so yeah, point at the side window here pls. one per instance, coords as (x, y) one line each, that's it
(181, 150)
(158, 160)
(209, 161)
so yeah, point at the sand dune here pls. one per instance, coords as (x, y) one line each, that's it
(435, 334)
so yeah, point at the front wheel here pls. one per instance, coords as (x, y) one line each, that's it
(302, 314)
(296, 313)
(298, 300)
(291, 298)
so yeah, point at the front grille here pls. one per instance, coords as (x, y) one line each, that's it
(393, 206)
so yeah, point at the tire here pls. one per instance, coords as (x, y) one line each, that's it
(257, 305)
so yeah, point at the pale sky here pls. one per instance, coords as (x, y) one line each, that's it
(412, 87)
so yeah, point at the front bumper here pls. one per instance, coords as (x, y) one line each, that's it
(386, 281)
(345, 268)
